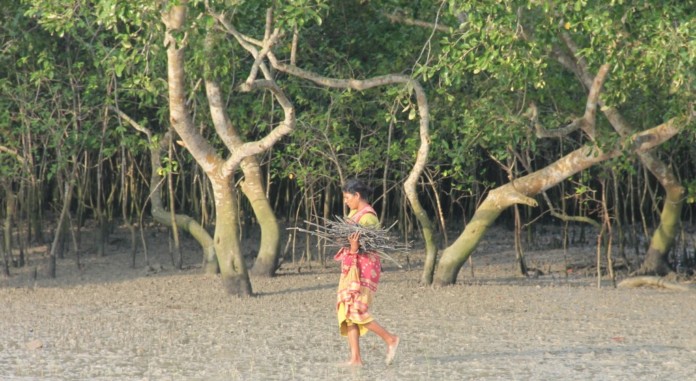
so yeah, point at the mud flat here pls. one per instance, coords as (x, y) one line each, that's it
(110, 322)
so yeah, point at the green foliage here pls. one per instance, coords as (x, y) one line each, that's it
(691, 192)
(502, 55)
(481, 73)
(300, 13)
(649, 45)
(169, 165)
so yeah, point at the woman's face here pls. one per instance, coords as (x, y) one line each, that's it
(352, 200)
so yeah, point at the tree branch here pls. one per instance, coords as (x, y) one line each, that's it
(542, 132)
(132, 122)
(221, 121)
(400, 18)
(565, 217)
(246, 42)
(269, 39)
(293, 49)
(13, 153)
(590, 117)
(284, 128)
(179, 115)
(588, 121)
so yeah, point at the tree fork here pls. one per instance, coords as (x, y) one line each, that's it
(663, 238)
(220, 172)
(523, 188)
(355, 84)
(159, 213)
(252, 186)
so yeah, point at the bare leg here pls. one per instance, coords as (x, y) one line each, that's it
(354, 342)
(390, 339)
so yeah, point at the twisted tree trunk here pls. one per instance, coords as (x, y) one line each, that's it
(159, 213)
(521, 190)
(268, 256)
(220, 172)
(663, 238)
(226, 239)
(233, 270)
(252, 186)
(393, 79)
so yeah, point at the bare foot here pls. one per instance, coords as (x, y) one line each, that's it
(391, 351)
(351, 363)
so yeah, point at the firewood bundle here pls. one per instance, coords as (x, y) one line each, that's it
(336, 233)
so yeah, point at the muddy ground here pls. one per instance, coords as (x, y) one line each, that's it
(108, 321)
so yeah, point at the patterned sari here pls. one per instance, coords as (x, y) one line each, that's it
(360, 274)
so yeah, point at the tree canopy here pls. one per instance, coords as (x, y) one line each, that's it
(435, 103)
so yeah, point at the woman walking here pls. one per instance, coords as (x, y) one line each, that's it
(360, 272)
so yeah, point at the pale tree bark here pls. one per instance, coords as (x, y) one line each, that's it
(220, 171)
(400, 18)
(663, 238)
(355, 84)
(268, 256)
(520, 190)
(159, 213)
(225, 240)
(235, 277)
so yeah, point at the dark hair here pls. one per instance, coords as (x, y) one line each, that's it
(357, 186)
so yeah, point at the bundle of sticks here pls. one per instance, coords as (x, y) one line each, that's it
(336, 232)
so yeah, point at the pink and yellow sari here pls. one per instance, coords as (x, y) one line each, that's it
(360, 274)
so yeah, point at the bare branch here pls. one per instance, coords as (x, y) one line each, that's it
(336, 233)
(588, 121)
(248, 43)
(400, 18)
(542, 132)
(580, 63)
(565, 217)
(221, 121)
(269, 40)
(590, 117)
(261, 145)
(132, 122)
(376, 239)
(293, 49)
(179, 115)
(519, 198)
(13, 153)
(357, 84)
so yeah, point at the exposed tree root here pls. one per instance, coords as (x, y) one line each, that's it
(656, 267)
(655, 281)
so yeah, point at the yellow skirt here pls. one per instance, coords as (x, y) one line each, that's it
(353, 302)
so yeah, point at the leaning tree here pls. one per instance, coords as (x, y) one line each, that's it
(519, 51)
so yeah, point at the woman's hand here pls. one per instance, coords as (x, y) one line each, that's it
(354, 240)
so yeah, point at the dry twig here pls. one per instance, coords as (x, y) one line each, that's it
(377, 239)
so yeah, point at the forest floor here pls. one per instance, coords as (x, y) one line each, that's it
(108, 321)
